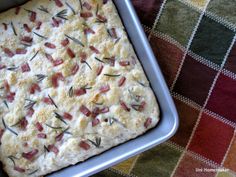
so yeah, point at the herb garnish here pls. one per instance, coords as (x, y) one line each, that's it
(13, 28)
(71, 92)
(34, 55)
(5, 103)
(112, 75)
(97, 8)
(80, 4)
(40, 77)
(6, 127)
(62, 14)
(52, 101)
(97, 142)
(13, 68)
(58, 116)
(111, 120)
(142, 84)
(52, 127)
(33, 172)
(99, 60)
(44, 9)
(39, 35)
(71, 8)
(75, 40)
(11, 157)
(87, 64)
(117, 40)
(30, 104)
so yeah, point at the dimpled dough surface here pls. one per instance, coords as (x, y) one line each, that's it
(71, 85)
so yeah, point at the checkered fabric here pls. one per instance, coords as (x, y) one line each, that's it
(194, 43)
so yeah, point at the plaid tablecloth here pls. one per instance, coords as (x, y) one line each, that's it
(194, 42)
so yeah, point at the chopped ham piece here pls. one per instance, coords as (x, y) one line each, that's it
(42, 135)
(70, 53)
(21, 51)
(124, 106)
(84, 145)
(67, 116)
(85, 110)
(65, 42)
(19, 169)
(53, 148)
(99, 70)
(25, 67)
(147, 122)
(30, 155)
(86, 14)
(50, 45)
(121, 81)
(27, 28)
(34, 87)
(79, 92)
(94, 49)
(39, 126)
(104, 88)
(95, 122)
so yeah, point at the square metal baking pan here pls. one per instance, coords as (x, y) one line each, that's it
(169, 119)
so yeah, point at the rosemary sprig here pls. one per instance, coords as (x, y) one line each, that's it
(71, 8)
(41, 36)
(33, 172)
(30, 103)
(97, 142)
(85, 87)
(100, 21)
(71, 92)
(45, 150)
(99, 60)
(52, 127)
(13, 68)
(13, 28)
(111, 120)
(11, 157)
(112, 75)
(142, 84)
(66, 131)
(62, 14)
(97, 8)
(27, 10)
(81, 6)
(5, 103)
(87, 65)
(117, 40)
(40, 77)
(6, 127)
(52, 101)
(44, 9)
(75, 40)
(59, 117)
(109, 33)
(34, 55)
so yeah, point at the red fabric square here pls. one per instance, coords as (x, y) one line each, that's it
(191, 167)
(188, 117)
(212, 138)
(147, 10)
(223, 98)
(195, 80)
(231, 61)
(168, 56)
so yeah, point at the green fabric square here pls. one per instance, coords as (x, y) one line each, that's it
(159, 161)
(107, 173)
(212, 40)
(178, 21)
(224, 9)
